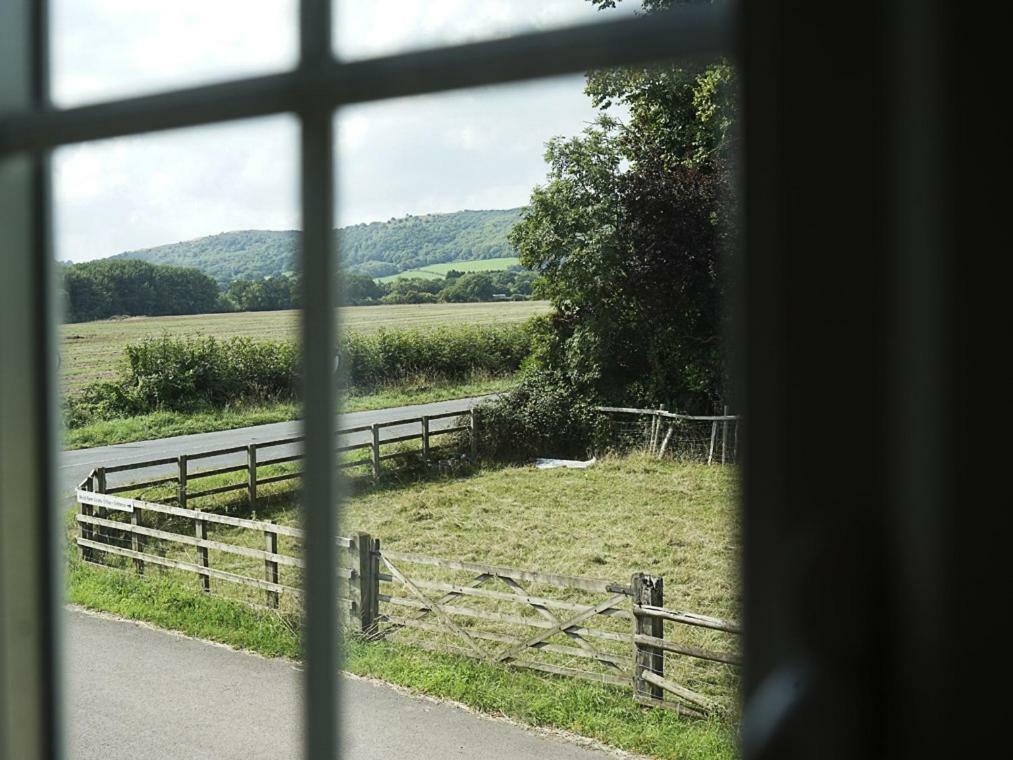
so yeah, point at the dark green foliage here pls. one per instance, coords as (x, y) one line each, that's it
(474, 286)
(376, 250)
(391, 356)
(539, 418)
(361, 290)
(204, 373)
(228, 256)
(412, 290)
(418, 241)
(459, 287)
(626, 235)
(268, 294)
(102, 289)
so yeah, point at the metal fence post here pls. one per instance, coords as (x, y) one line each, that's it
(647, 590)
(271, 566)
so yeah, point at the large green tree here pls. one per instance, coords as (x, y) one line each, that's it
(626, 233)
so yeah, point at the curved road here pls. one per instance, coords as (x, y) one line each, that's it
(135, 693)
(75, 465)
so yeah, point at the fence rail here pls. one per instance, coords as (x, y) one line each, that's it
(185, 474)
(709, 438)
(600, 630)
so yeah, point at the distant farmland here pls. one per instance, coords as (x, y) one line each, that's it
(90, 350)
(439, 271)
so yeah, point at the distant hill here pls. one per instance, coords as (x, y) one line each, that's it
(378, 249)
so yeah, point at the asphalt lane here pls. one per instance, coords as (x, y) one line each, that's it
(135, 693)
(75, 465)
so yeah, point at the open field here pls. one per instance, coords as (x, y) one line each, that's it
(627, 514)
(91, 350)
(439, 271)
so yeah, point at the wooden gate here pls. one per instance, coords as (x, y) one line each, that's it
(577, 627)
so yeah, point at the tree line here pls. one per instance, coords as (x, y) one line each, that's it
(125, 287)
(377, 249)
(629, 233)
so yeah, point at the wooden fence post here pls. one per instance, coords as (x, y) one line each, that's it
(181, 490)
(425, 439)
(714, 435)
(376, 452)
(270, 566)
(251, 469)
(473, 434)
(100, 487)
(369, 582)
(85, 529)
(650, 591)
(201, 532)
(724, 437)
(656, 428)
(135, 539)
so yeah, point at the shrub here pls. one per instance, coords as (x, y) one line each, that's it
(187, 374)
(448, 355)
(542, 417)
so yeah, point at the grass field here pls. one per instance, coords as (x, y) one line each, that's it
(439, 271)
(677, 520)
(91, 350)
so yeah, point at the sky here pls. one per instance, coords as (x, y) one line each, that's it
(469, 149)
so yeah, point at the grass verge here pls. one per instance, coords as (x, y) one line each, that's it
(166, 424)
(677, 520)
(602, 713)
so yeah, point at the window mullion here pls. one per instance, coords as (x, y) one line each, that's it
(320, 493)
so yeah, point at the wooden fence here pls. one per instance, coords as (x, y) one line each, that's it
(598, 630)
(185, 475)
(710, 438)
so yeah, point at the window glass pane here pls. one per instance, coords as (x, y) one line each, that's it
(474, 149)
(163, 379)
(379, 27)
(600, 205)
(103, 49)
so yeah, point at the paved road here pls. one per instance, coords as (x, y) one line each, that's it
(75, 465)
(134, 693)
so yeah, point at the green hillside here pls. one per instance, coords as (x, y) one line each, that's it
(378, 249)
(439, 271)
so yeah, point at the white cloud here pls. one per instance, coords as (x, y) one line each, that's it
(112, 48)
(473, 149)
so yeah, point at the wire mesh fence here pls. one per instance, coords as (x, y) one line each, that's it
(711, 439)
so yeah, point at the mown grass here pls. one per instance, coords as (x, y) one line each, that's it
(91, 351)
(623, 515)
(166, 424)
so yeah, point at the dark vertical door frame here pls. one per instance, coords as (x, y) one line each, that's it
(815, 325)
